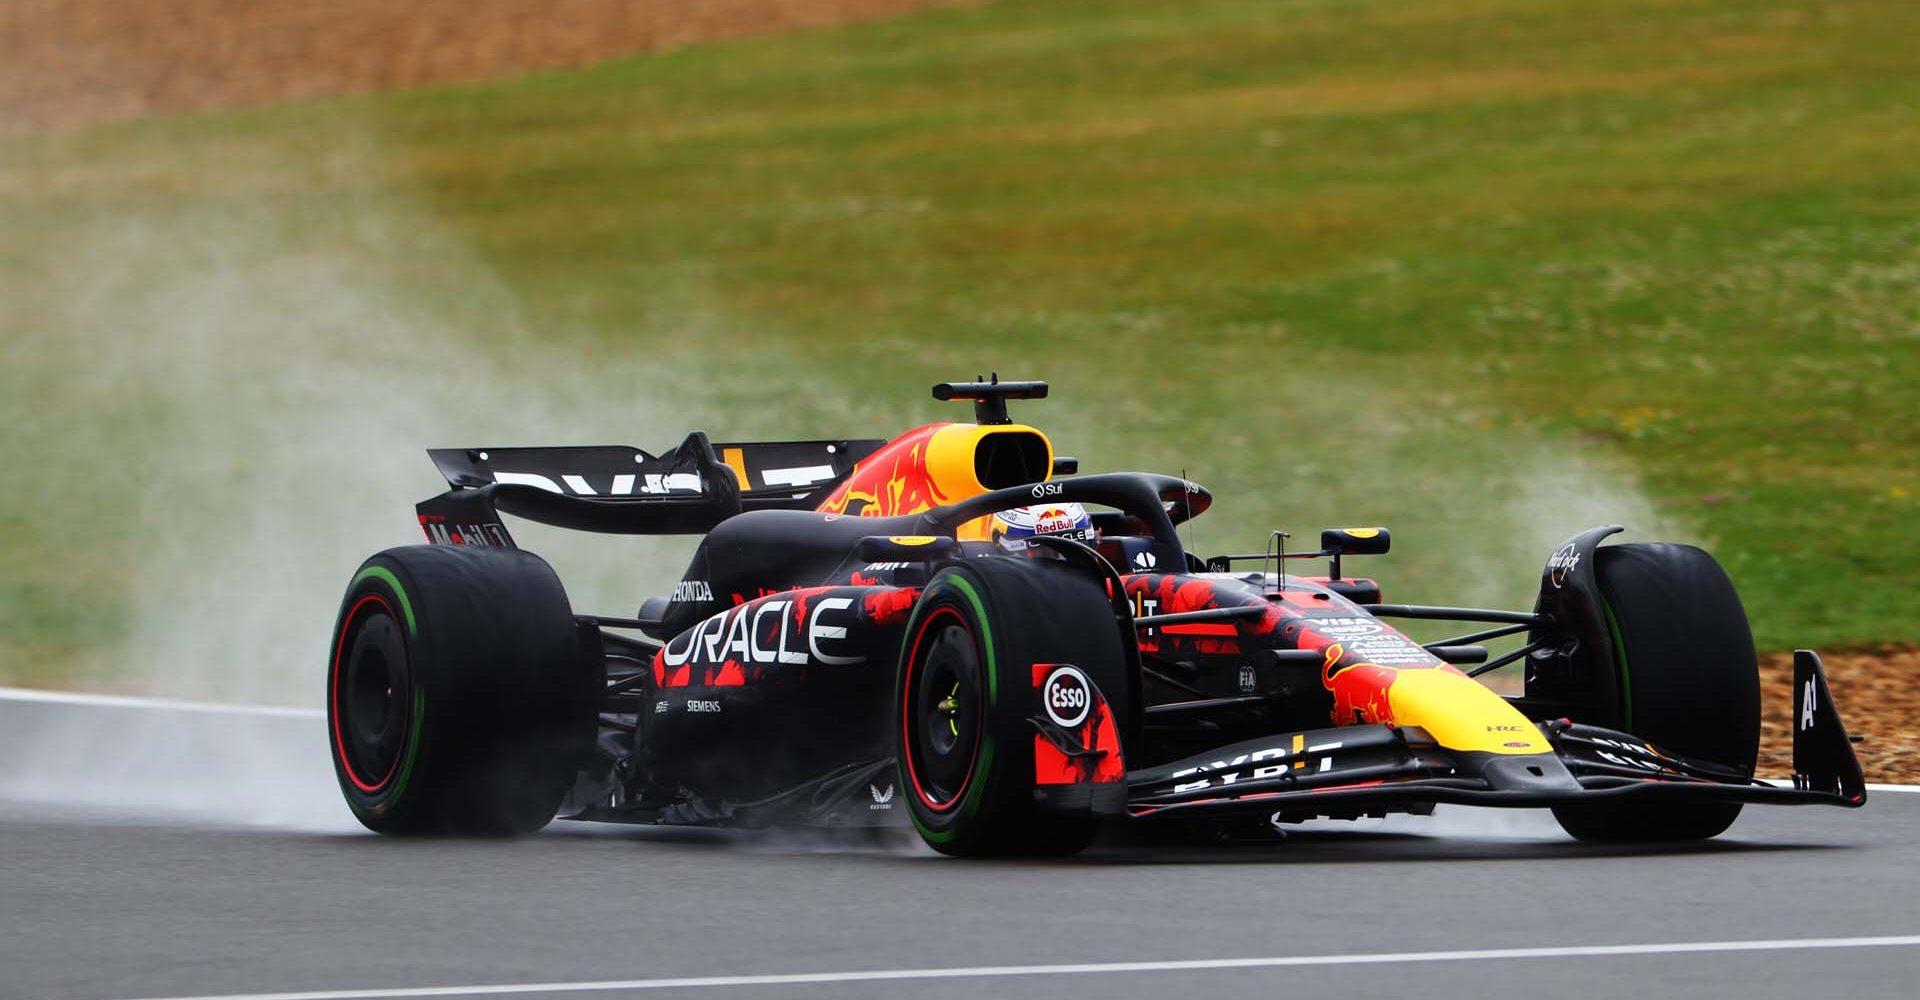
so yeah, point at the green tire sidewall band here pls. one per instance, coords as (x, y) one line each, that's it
(386, 576)
(974, 791)
(1620, 663)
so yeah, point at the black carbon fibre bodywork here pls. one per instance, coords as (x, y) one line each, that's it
(758, 691)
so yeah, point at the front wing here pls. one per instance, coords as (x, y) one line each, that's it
(1353, 770)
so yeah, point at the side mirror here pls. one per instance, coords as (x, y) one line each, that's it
(1356, 541)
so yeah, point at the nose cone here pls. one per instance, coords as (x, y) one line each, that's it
(1461, 714)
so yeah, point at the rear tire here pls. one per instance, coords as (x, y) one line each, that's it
(459, 700)
(1688, 679)
(963, 699)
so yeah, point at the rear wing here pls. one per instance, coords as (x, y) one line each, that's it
(615, 489)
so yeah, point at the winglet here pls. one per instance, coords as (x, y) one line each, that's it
(1823, 759)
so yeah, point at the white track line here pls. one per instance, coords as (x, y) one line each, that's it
(1001, 971)
(156, 704)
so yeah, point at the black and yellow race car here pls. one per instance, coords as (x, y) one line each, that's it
(954, 629)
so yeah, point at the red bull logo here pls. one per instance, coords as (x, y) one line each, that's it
(1053, 519)
(1453, 708)
(1361, 691)
(924, 468)
(894, 480)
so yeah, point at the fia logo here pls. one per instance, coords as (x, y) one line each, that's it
(1248, 680)
(881, 800)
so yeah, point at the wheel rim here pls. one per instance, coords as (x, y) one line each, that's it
(370, 694)
(942, 710)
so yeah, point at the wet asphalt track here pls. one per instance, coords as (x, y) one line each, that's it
(94, 905)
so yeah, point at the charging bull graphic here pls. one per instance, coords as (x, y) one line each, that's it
(1361, 691)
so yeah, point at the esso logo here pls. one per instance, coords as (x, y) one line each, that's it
(1067, 696)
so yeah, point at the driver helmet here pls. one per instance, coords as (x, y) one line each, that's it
(1013, 527)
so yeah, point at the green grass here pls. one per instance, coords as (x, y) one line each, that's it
(1483, 270)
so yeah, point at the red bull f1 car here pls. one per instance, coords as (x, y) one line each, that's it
(955, 630)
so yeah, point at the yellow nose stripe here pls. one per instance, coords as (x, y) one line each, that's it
(1461, 714)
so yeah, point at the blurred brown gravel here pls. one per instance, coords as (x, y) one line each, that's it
(1878, 698)
(65, 63)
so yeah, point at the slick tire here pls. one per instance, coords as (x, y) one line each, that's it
(967, 769)
(1688, 679)
(459, 699)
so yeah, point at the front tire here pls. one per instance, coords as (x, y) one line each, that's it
(1688, 682)
(459, 699)
(963, 698)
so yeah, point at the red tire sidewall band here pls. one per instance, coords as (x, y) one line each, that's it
(373, 789)
(908, 687)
